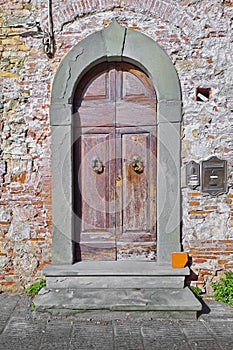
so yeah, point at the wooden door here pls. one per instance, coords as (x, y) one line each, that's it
(115, 164)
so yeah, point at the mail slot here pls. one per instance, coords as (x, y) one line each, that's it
(214, 176)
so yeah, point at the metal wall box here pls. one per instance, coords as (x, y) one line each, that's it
(214, 176)
(192, 174)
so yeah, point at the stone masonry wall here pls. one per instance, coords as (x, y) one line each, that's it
(197, 36)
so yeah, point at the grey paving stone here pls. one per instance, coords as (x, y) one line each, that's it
(220, 328)
(195, 330)
(23, 306)
(55, 346)
(19, 343)
(165, 344)
(8, 303)
(92, 336)
(163, 334)
(19, 327)
(205, 345)
(216, 309)
(223, 332)
(127, 335)
(2, 324)
(226, 344)
(9, 300)
(58, 329)
(199, 336)
(56, 335)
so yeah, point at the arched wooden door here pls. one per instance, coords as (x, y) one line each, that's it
(115, 164)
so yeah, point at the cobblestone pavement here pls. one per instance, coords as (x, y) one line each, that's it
(21, 329)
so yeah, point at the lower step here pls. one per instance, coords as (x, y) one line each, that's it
(73, 300)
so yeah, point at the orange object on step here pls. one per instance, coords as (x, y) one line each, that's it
(179, 259)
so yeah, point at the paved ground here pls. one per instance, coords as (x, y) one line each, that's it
(21, 329)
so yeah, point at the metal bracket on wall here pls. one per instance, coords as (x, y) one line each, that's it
(48, 39)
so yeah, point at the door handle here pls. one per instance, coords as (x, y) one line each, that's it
(137, 165)
(96, 165)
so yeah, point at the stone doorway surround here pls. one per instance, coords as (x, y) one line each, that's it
(116, 43)
(117, 285)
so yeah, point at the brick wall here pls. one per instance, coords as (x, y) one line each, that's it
(197, 35)
(25, 172)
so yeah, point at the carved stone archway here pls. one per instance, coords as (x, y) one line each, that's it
(116, 43)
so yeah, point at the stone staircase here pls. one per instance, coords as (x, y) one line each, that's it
(116, 286)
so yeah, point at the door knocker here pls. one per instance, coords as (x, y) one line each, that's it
(97, 165)
(137, 164)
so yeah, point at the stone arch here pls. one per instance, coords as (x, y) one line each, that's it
(170, 12)
(116, 43)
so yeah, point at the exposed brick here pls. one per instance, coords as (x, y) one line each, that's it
(194, 194)
(210, 207)
(198, 212)
(222, 262)
(7, 283)
(193, 203)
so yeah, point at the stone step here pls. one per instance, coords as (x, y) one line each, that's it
(114, 268)
(114, 274)
(69, 301)
(116, 282)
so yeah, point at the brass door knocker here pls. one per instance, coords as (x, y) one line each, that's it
(137, 164)
(97, 165)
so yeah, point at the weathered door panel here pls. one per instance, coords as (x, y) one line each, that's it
(94, 102)
(135, 204)
(115, 120)
(96, 186)
(92, 115)
(135, 98)
(132, 83)
(136, 218)
(135, 114)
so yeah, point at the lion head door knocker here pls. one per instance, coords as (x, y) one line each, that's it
(97, 165)
(137, 165)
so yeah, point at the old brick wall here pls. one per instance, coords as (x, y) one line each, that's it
(197, 35)
(25, 172)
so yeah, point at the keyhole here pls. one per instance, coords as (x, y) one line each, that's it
(193, 171)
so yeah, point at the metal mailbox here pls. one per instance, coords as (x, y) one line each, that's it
(214, 176)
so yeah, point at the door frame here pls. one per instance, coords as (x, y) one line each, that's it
(116, 43)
